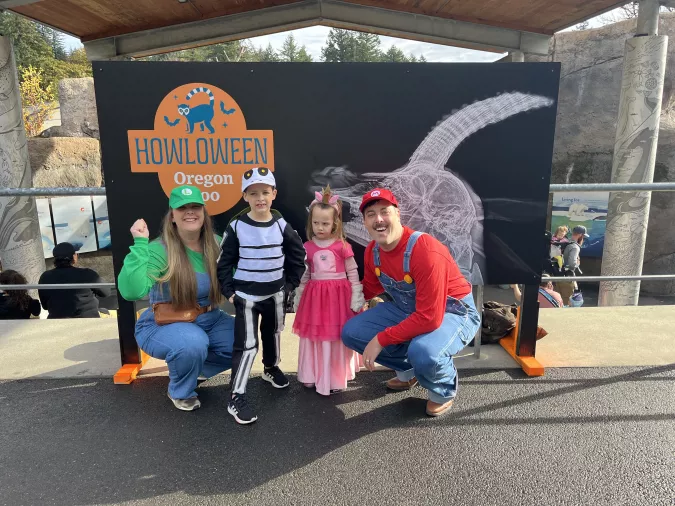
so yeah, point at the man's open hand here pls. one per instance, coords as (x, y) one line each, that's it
(371, 352)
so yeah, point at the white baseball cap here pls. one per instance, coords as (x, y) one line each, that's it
(257, 175)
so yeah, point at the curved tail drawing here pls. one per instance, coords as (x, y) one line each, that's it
(442, 141)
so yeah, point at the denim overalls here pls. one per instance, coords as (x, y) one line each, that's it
(190, 349)
(428, 357)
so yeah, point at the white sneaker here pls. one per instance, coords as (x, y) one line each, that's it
(186, 404)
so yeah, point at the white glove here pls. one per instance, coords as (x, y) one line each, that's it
(357, 298)
(296, 299)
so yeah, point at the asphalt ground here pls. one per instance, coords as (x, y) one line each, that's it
(573, 437)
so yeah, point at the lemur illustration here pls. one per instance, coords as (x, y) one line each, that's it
(202, 114)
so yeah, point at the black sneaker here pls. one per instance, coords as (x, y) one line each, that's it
(238, 407)
(276, 377)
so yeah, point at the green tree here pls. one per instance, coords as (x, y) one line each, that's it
(268, 54)
(394, 54)
(30, 47)
(55, 40)
(367, 47)
(291, 52)
(340, 46)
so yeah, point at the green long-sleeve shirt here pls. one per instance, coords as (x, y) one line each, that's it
(145, 262)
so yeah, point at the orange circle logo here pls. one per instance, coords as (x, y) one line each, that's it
(200, 138)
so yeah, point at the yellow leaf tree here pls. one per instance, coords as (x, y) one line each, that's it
(37, 99)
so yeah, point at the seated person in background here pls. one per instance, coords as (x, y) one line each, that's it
(16, 304)
(547, 298)
(73, 302)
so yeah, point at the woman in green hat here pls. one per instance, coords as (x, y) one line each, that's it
(184, 324)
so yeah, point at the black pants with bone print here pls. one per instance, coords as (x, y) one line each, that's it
(270, 314)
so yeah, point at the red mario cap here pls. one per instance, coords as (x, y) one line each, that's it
(378, 194)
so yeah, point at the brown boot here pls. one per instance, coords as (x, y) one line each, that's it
(398, 385)
(436, 409)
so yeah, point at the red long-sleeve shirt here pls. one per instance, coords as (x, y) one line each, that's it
(435, 274)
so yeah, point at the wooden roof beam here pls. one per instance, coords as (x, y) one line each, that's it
(317, 12)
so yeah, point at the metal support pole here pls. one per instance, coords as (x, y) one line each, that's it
(528, 320)
(648, 18)
(478, 299)
(20, 238)
(634, 157)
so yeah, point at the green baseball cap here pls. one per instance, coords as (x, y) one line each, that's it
(183, 195)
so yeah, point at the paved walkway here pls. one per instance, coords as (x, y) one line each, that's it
(573, 437)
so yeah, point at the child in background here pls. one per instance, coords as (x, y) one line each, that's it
(329, 294)
(558, 242)
(261, 261)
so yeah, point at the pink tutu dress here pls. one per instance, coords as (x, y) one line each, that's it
(326, 294)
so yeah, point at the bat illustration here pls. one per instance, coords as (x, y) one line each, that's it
(226, 111)
(171, 123)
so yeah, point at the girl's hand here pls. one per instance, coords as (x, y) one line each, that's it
(231, 299)
(140, 229)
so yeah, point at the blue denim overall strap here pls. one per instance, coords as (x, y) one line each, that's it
(160, 291)
(402, 292)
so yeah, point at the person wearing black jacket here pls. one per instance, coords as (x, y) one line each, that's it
(16, 304)
(261, 261)
(73, 302)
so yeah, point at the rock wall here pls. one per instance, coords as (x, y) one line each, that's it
(63, 161)
(78, 109)
(590, 86)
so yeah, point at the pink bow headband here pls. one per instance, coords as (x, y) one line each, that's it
(333, 201)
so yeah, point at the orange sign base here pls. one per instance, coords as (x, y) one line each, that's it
(530, 365)
(128, 372)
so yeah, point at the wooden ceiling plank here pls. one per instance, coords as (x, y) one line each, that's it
(91, 19)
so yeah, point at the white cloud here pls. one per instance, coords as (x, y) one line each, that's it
(314, 38)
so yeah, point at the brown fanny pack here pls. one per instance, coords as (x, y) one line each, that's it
(165, 313)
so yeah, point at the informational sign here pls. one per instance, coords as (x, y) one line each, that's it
(46, 226)
(74, 222)
(583, 208)
(101, 221)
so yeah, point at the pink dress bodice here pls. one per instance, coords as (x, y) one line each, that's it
(328, 262)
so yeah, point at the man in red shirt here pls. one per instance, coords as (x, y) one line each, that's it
(431, 316)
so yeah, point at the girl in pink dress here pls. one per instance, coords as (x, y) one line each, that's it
(329, 294)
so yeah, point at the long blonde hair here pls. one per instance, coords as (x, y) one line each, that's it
(337, 229)
(180, 274)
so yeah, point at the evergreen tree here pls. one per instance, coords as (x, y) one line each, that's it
(55, 40)
(394, 54)
(291, 52)
(340, 46)
(268, 54)
(367, 47)
(30, 47)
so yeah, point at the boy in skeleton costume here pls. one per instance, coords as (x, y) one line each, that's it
(262, 260)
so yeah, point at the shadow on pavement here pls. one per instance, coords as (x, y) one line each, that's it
(77, 442)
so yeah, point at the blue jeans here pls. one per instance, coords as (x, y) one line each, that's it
(428, 357)
(190, 349)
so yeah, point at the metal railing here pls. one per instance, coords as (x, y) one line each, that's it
(51, 192)
(583, 187)
(612, 187)
(57, 286)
